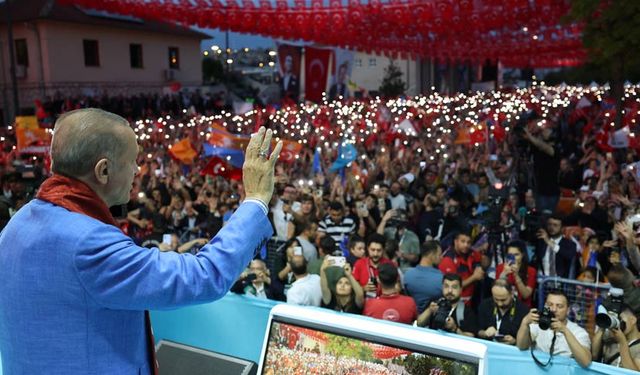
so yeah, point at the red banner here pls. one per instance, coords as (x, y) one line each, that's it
(316, 71)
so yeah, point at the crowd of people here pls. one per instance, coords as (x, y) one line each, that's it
(446, 213)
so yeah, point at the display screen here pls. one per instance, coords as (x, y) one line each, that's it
(292, 349)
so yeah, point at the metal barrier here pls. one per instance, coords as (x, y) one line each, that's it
(584, 298)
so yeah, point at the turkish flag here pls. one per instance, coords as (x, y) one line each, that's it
(290, 149)
(316, 70)
(218, 167)
(215, 167)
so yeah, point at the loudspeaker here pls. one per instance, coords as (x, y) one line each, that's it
(179, 359)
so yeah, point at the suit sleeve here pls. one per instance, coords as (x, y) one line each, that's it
(118, 274)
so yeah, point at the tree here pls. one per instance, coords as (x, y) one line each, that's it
(350, 348)
(212, 70)
(611, 36)
(392, 83)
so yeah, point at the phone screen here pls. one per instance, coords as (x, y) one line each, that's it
(166, 239)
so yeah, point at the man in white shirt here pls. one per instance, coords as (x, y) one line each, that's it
(567, 338)
(306, 238)
(306, 290)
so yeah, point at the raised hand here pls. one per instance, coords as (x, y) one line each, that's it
(258, 168)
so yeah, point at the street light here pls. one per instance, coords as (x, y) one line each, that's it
(272, 64)
(229, 61)
(206, 53)
(272, 53)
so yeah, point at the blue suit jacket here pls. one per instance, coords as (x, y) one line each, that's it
(74, 289)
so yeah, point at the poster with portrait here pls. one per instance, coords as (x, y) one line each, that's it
(341, 67)
(289, 61)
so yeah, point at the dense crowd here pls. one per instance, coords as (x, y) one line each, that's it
(405, 208)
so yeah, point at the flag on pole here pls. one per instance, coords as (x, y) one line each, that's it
(183, 151)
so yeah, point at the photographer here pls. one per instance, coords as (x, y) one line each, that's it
(546, 166)
(499, 317)
(619, 346)
(256, 281)
(450, 313)
(551, 331)
(556, 255)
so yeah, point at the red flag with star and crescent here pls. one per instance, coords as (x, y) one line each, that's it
(316, 70)
(290, 151)
(219, 167)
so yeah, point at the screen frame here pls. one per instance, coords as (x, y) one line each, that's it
(397, 335)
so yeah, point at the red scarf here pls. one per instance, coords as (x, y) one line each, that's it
(76, 196)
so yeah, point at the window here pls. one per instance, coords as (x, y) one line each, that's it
(22, 54)
(372, 61)
(91, 55)
(358, 62)
(174, 58)
(135, 55)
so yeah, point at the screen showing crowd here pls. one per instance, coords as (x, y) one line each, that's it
(292, 349)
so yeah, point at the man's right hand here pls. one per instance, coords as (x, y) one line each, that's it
(531, 317)
(490, 332)
(258, 171)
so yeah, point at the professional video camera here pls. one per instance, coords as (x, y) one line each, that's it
(545, 318)
(610, 319)
(441, 315)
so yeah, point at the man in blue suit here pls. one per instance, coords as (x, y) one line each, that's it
(76, 289)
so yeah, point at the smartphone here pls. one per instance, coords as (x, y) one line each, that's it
(498, 337)
(511, 259)
(166, 239)
(423, 164)
(617, 213)
(319, 193)
(338, 261)
(493, 157)
(297, 250)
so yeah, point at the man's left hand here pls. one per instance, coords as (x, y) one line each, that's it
(509, 340)
(558, 326)
(450, 325)
(619, 336)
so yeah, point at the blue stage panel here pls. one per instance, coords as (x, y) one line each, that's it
(235, 325)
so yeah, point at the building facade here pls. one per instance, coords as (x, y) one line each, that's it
(69, 51)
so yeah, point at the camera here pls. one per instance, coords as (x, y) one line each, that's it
(399, 219)
(441, 315)
(610, 319)
(545, 318)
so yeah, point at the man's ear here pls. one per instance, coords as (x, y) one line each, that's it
(101, 171)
